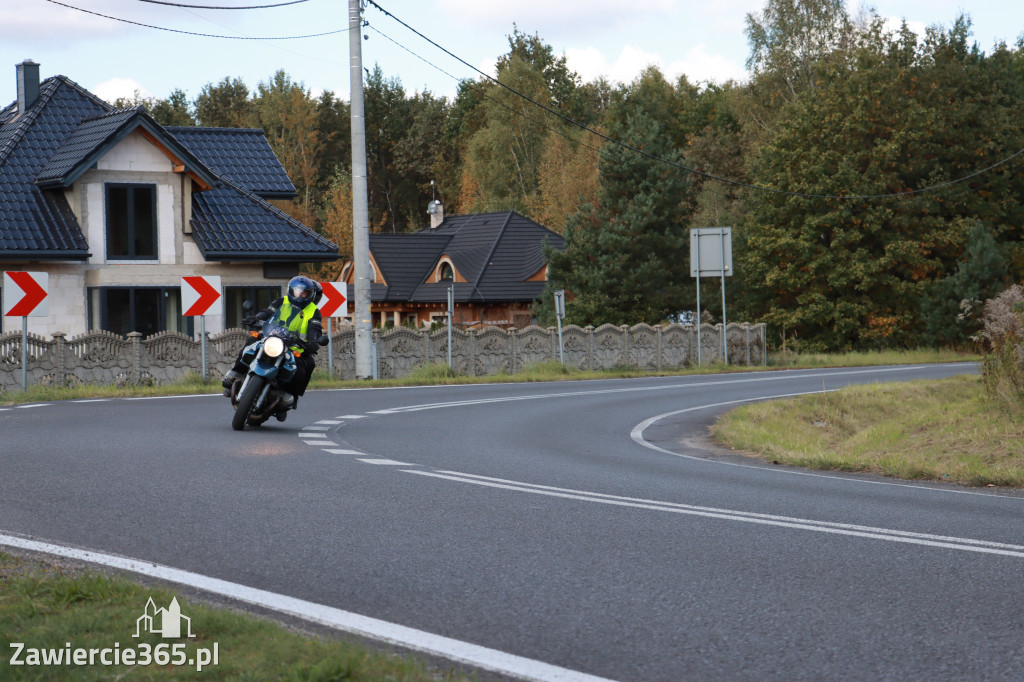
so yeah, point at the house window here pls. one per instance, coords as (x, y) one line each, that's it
(234, 297)
(146, 310)
(445, 273)
(131, 222)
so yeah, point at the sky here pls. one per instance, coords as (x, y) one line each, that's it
(611, 38)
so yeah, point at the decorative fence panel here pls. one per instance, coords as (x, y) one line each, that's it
(102, 357)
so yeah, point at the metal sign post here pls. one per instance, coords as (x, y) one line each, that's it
(198, 294)
(25, 296)
(333, 303)
(559, 314)
(451, 320)
(711, 254)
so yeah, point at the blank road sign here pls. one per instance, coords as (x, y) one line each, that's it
(711, 249)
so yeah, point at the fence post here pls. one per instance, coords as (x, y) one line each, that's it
(590, 347)
(515, 340)
(657, 363)
(135, 376)
(59, 338)
(472, 352)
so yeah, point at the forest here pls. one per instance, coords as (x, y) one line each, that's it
(872, 177)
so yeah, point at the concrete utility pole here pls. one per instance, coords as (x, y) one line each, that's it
(360, 208)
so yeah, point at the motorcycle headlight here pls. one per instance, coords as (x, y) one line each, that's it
(273, 347)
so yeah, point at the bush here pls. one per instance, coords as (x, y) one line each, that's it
(1002, 336)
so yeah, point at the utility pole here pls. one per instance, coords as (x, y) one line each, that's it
(360, 208)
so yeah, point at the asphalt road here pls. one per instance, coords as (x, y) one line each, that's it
(582, 524)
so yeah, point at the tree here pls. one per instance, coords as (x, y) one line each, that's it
(173, 111)
(224, 105)
(626, 256)
(568, 178)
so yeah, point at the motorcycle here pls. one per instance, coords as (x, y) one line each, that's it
(271, 361)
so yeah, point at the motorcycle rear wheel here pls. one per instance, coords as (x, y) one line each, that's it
(246, 401)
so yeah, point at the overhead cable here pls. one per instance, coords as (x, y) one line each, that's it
(176, 4)
(193, 33)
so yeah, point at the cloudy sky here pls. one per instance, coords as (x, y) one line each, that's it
(704, 40)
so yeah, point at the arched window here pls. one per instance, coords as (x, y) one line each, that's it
(445, 273)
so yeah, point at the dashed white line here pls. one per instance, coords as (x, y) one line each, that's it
(329, 421)
(320, 442)
(25, 407)
(387, 462)
(316, 427)
(345, 452)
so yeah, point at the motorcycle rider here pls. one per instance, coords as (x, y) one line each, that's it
(298, 312)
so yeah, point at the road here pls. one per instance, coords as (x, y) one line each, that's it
(585, 525)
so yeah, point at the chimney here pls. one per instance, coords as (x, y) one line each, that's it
(28, 84)
(436, 211)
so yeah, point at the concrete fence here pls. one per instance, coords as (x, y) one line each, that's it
(102, 357)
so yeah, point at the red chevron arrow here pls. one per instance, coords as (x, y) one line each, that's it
(333, 299)
(34, 294)
(208, 295)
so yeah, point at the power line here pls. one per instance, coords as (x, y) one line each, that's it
(175, 4)
(193, 33)
(679, 166)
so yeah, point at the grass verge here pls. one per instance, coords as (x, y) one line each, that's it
(943, 430)
(49, 607)
(439, 374)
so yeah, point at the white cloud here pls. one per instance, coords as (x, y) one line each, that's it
(698, 65)
(114, 88)
(894, 23)
(24, 23)
(564, 16)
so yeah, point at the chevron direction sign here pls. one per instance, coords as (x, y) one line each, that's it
(198, 294)
(25, 294)
(334, 302)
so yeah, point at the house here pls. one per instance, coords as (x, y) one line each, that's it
(494, 261)
(116, 208)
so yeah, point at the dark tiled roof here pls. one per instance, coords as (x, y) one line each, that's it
(241, 155)
(34, 222)
(495, 252)
(67, 128)
(229, 223)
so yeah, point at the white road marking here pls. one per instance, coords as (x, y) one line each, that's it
(345, 452)
(310, 434)
(352, 416)
(93, 400)
(637, 435)
(890, 535)
(320, 442)
(772, 377)
(346, 621)
(316, 427)
(387, 462)
(25, 407)
(329, 421)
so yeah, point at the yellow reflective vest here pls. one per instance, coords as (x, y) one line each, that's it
(296, 321)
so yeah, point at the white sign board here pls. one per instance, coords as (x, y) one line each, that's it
(710, 252)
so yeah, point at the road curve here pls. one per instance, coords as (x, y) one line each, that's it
(580, 525)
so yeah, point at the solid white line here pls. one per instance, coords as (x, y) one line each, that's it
(637, 435)
(391, 633)
(93, 400)
(25, 407)
(889, 535)
(770, 376)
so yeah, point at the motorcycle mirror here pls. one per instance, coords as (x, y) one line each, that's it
(247, 306)
(323, 341)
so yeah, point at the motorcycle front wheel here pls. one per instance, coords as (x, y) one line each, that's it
(246, 401)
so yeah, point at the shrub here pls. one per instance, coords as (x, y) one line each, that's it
(1002, 336)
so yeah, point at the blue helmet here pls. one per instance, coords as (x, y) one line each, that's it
(302, 291)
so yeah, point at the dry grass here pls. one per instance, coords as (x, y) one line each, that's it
(945, 430)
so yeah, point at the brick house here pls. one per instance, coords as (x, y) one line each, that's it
(495, 262)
